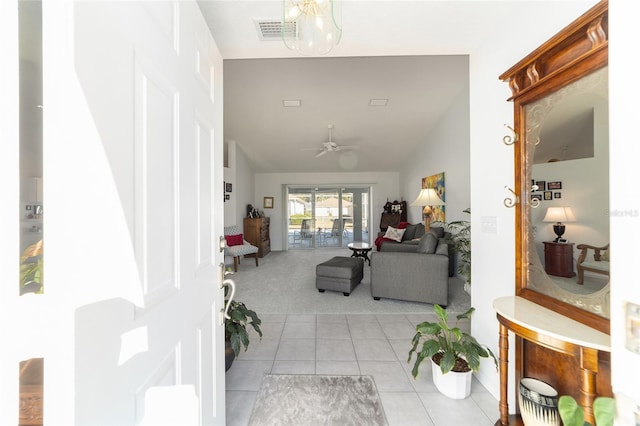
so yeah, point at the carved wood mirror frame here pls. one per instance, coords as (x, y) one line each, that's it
(578, 50)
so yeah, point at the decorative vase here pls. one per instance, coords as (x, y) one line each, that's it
(229, 356)
(453, 384)
(538, 403)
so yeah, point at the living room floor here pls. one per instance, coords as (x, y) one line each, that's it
(352, 344)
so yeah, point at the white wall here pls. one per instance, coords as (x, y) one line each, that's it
(624, 201)
(493, 266)
(239, 174)
(445, 149)
(385, 186)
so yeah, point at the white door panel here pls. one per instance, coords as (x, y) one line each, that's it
(133, 175)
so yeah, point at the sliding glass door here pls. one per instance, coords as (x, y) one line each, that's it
(327, 217)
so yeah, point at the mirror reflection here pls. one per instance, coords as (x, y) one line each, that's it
(567, 163)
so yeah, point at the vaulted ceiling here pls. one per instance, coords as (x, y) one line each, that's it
(413, 53)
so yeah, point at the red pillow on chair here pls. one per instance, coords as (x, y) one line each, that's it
(234, 240)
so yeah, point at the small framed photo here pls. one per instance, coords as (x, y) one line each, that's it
(554, 185)
(228, 187)
(557, 195)
(536, 197)
(548, 195)
(541, 185)
(268, 202)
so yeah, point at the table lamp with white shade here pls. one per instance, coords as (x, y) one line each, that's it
(559, 215)
(428, 198)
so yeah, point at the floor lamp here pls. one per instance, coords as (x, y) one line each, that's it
(428, 198)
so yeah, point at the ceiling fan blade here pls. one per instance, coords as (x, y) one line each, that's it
(321, 153)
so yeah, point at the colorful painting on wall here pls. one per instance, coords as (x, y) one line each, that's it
(437, 182)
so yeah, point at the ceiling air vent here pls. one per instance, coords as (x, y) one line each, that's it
(272, 29)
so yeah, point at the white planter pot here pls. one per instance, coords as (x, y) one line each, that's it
(454, 385)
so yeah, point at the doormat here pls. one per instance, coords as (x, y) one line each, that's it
(299, 400)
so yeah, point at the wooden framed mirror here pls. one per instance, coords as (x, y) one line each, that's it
(559, 93)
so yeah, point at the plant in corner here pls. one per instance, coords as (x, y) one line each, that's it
(235, 328)
(461, 240)
(604, 410)
(451, 351)
(31, 269)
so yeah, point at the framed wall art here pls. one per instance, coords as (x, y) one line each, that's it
(268, 202)
(437, 182)
(554, 185)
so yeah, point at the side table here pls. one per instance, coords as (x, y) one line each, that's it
(360, 249)
(558, 259)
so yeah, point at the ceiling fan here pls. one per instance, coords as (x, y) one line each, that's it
(331, 146)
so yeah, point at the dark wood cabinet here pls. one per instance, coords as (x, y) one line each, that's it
(256, 232)
(558, 259)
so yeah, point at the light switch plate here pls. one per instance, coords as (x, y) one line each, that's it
(489, 224)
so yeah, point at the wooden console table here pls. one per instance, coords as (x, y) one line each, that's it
(554, 331)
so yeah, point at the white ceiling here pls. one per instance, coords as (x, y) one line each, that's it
(413, 53)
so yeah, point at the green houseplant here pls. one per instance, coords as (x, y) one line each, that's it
(604, 409)
(461, 240)
(31, 269)
(450, 350)
(235, 328)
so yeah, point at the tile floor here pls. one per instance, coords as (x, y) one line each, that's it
(375, 345)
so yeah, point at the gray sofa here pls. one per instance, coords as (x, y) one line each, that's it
(419, 275)
(410, 240)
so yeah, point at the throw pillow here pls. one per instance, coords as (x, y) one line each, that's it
(419, 230)
(394, 234)
(410, 232)
(427, 244)
(234, 240)
(438, 230)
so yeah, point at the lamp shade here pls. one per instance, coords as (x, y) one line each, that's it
(428, 197)
(311, 27)
(559, 214)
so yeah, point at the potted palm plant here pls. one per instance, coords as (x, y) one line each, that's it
(235, 329)
(461, 240)
(454, 354)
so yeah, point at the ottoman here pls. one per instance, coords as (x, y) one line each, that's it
(339, 274)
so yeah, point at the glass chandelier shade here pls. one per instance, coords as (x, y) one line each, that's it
(311, 27)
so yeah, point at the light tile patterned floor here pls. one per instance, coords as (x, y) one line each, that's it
(375, 345)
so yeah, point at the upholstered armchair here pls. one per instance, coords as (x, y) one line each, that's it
(598, 264)
(237, 246)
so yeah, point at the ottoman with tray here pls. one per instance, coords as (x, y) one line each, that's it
(339, 274)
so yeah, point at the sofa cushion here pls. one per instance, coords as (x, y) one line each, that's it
(394, 234)
(409, 233)
(427, 244)
(438, 231)
(234, 240)
(419, 230)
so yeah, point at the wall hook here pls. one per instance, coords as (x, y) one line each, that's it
(511, 202)
(508, 139)
(535, 202)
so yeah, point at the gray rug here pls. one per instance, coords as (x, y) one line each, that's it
(285, 283)
(305, 400)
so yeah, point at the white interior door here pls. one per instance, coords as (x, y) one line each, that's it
(132, 177)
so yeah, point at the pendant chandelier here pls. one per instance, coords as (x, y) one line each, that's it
(311, 27)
